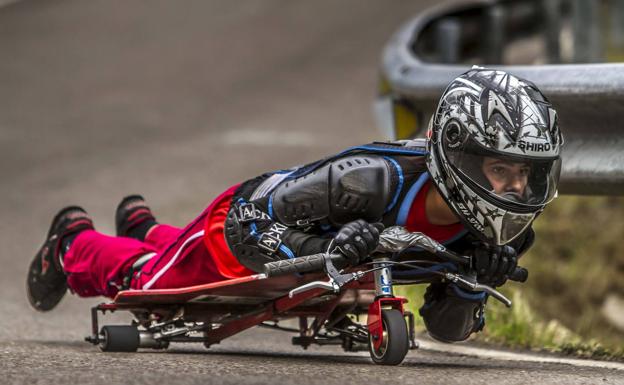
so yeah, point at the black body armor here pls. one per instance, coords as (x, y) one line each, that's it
(309, 203)
(354, 187)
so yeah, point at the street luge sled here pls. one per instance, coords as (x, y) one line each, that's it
(321, 302)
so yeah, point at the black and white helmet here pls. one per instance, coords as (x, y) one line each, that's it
(494, 152)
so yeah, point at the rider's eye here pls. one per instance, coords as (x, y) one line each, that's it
(498, 170)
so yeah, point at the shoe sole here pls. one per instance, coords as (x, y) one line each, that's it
(49, 301)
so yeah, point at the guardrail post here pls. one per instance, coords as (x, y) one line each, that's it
(494, 35)
(586, 26)
(616, 9)
(447, 37)
(552, 15)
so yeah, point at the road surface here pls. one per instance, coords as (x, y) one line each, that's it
(178, 101)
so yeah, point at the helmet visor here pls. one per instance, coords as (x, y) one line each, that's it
(508, 181)
(512, 225)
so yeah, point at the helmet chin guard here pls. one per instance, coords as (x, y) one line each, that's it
(494, 152)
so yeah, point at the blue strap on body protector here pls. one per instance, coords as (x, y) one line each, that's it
(406, 205)
(399, 187)
(277, 177)
(270, 208)
(253, 231)
(289, 253)
(409, 198)
(378, 148)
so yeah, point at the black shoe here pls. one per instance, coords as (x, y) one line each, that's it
(133, 217)
(47, 284)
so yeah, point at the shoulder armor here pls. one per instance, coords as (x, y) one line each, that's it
(360, 188)
(348, 188)
(303, 199)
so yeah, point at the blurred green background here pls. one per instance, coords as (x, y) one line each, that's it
(573, 297)
(577, 265)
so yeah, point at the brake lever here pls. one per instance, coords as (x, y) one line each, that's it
(476, 287)
(329, 285)
(335, 282)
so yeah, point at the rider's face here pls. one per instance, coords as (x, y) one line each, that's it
(506, 177)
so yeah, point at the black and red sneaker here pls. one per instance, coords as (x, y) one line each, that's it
(133, 217)
(46, 282)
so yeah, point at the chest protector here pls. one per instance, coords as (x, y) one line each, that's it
(355, 184)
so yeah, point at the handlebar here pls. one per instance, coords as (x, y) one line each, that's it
(314, 262)
(520, 274)
(392, 239)
(397, 238)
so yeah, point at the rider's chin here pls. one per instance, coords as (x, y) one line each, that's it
(513, 197)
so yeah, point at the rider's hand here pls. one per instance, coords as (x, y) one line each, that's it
(495, 264)
(357, 239)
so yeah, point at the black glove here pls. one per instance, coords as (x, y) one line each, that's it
(357, 239)
(494, 264)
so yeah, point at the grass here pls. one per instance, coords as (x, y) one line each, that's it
(521, 327)
(577, 260)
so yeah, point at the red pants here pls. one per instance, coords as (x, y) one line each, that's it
(96, 263)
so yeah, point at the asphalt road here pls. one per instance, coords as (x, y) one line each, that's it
(177, 101)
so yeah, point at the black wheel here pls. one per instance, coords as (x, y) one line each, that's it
(119, 338)
(394, 339)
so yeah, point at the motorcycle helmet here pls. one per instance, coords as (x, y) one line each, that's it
(494, 152)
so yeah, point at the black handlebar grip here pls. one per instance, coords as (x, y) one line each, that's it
(314, 262)
(519, 275)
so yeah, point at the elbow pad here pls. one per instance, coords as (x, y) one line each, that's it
(255, 238)
(252, 236)
(346, 189)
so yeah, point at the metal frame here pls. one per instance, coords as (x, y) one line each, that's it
(231, 318)
(221, 309)
(176, 315)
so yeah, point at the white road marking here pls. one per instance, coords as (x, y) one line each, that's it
(428, 344)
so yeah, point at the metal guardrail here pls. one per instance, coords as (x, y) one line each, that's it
(589, 98)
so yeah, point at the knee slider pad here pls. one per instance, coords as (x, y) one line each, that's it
(452, 314)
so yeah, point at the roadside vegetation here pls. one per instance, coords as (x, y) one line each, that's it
(577, 262)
